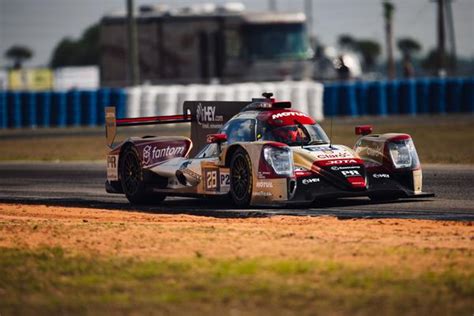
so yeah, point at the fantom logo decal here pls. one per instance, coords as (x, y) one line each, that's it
(153, 153)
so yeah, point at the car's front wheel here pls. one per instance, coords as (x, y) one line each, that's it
(131, 179)
(241, 178)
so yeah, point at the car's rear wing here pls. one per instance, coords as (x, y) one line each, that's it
(111, 122)
(206, 117)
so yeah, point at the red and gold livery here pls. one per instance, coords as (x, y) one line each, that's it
(261, 152)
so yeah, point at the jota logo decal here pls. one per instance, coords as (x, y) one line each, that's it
(207, 114)
(341, 162)
(153, 153)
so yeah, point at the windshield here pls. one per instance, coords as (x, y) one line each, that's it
(276, 41)
(294, 135)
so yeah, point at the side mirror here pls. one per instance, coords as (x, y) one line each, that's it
(363, 129)
(216, 138)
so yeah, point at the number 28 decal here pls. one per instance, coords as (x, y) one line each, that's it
(211, 179)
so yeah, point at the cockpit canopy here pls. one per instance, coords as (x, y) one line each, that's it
(290, 127)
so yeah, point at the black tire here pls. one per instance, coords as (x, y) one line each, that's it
(241, 178)
(131, 179)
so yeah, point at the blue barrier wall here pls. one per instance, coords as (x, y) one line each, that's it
(412, 97)
(59, 109)
(86, 107)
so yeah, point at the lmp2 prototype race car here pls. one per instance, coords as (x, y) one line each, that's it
(259, 153)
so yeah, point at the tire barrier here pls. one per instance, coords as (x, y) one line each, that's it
(306, 96)
(86, 107)
(409, 97)
(59, 109)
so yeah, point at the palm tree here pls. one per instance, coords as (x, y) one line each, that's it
(408, 47)
(369, 50)
(346, 41)
(18, 54)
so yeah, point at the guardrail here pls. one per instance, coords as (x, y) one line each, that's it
(86, 107)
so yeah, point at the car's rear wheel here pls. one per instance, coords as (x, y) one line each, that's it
(241, 178)
(131, 179)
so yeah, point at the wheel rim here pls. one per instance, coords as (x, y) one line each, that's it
(240, 178)
(131, 174)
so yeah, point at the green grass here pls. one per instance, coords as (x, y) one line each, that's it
(50, 281)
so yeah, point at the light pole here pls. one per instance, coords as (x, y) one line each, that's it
(133, 70)
(388, 9)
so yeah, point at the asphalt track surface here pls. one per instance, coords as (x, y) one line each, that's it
(82, 185)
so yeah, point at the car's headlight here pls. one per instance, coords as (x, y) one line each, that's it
(403, 154)
(280, 158)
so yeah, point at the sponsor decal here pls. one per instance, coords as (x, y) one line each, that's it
(152, 153)
(350, 173)
(344, 167)
(193, 175)
(311, 180)
(206, 116)
(263, 174)
(112, 170)
(341, 162)
(265, 185)
(340, 154)
(375, 151)
(262, 193)
(330, 153)
(287, 114)
(380, 175)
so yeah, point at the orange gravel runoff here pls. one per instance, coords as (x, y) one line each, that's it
(148, 235)
(401, 247)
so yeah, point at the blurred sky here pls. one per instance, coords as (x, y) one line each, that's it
(41, 24)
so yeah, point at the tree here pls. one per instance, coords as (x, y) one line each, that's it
(81, 52)
(431, 61)
(408, 46)
(346, 41)
(18, 54)
(369, 51)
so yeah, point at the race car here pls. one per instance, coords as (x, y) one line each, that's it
(261, 152)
